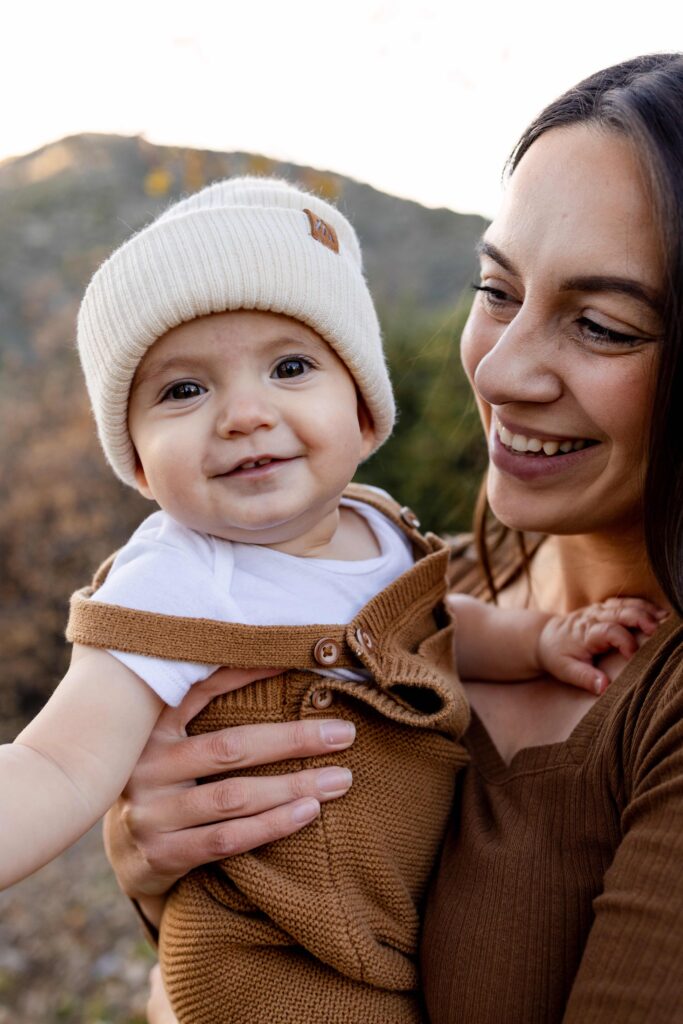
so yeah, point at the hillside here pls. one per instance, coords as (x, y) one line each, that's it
(62, 210)
(70, 948)
(66, 206)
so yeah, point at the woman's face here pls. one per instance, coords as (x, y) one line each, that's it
(561, 344)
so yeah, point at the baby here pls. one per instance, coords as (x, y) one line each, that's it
(235, 368)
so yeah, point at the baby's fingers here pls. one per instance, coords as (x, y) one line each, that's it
(633, 612)
(580, 674)
(605, 636)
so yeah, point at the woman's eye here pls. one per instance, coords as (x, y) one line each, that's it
(294, 367)
(596, 332)
(494, 298)
(183, 390)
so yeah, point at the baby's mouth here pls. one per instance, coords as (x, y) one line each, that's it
(255, 464)
(250, 466)
(520, 444)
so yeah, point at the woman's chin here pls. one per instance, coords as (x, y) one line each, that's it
(529, 516)
(564, 511)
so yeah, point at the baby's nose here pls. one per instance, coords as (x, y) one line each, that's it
(245, 411)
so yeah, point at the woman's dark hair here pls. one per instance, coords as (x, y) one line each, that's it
(641, 99)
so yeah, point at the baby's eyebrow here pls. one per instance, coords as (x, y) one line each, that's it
(174, 364)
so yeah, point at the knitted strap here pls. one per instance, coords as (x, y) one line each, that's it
(400, 515)
(207, 641)
(211, 642)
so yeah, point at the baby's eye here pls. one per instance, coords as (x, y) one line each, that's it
(183, 390)
(293, 366)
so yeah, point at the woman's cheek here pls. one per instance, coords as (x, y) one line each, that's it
(468, 348)
(473, 348)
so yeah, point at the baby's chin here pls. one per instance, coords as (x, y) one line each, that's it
(303, 536)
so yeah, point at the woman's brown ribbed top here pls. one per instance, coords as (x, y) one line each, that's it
(559, 895)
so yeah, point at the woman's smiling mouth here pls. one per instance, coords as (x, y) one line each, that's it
(532, 457)
(540, 445)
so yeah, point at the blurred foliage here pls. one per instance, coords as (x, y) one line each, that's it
(75, 957)
(62, 511)
(436, 456)
(66, 206)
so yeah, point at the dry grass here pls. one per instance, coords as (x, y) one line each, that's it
(71, 951)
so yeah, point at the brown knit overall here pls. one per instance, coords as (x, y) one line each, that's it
(320, 927)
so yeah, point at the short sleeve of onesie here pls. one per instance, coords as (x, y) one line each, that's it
(169, 569)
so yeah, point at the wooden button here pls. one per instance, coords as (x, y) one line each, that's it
(409, 517)
(326, 651)
(366, 640)
(321, 699)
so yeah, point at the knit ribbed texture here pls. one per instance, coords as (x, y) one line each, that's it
(243, 243)
(559, 895)
(322, 927)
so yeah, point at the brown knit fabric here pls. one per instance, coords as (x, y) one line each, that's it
(559, 895)
(321, 927)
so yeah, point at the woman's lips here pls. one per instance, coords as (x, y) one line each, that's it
(532, 465)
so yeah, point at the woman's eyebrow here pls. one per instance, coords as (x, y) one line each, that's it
(484, 248)
(588, 283)
(622, 285)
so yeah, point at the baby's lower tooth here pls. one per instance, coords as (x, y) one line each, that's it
(551, 447)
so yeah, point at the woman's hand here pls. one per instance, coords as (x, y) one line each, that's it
(163, 825)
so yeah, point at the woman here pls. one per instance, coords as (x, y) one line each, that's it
(560, 893)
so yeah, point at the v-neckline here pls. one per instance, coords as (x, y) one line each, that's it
(572, 750)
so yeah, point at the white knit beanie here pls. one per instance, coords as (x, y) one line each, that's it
(242, 243)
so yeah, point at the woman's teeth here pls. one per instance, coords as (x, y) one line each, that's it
(521, 443)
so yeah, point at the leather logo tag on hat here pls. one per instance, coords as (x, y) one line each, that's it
(322, 231)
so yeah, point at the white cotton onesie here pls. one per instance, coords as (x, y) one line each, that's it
(172, 570)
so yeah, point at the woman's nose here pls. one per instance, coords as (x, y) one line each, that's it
(243, 411)
(522, 366)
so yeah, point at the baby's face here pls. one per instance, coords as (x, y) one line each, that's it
(246, 426)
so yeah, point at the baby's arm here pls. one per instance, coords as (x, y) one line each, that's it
(72, 761)
(519, 643)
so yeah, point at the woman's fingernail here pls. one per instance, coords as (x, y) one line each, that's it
(306, 810)
(334, 781)
(599, 685)
(337, 734)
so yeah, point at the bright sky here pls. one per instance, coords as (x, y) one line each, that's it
(420, 99)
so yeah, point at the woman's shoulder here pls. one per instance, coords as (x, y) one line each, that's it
(651, 693)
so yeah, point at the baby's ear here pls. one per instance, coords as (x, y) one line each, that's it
(141, 480)
(367, 428)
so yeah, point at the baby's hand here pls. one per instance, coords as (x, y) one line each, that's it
(568, 643)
